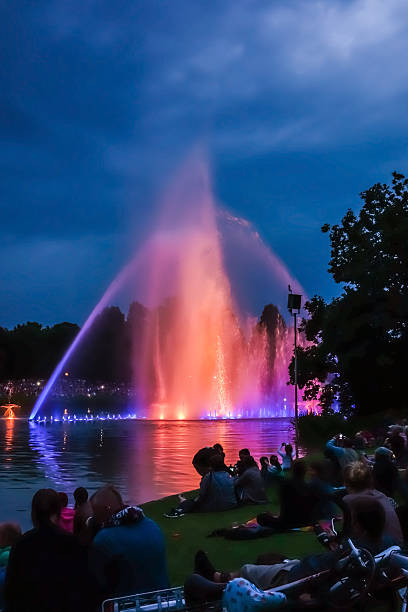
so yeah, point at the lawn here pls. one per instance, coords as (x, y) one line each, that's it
(187, 534)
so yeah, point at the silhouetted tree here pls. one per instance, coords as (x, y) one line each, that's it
(102, 354)
(359, 341)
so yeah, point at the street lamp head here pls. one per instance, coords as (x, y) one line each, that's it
(294, 302)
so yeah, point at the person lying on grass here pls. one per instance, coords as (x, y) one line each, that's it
(207, 583)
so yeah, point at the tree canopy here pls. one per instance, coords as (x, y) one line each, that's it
(357, 344)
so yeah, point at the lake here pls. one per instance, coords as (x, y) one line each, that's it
(146, 460)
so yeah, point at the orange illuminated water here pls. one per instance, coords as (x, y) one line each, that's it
(202, 356)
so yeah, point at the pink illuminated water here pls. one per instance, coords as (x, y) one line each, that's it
(202, 355)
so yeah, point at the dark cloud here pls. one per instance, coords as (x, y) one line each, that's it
(302, 105)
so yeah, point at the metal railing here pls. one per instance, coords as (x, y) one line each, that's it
(167, 599)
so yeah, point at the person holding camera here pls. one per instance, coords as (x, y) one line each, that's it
(287, 456)
(342, 449)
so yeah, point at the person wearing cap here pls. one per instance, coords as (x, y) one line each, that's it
(385, 472)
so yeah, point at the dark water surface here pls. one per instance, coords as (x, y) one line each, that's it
(146, 460)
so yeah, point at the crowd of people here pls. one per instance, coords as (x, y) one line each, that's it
(75, 557)
(346, 480)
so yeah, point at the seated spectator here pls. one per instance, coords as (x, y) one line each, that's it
(66, 519)
(359, 483)
(128, 554)
(83, 511)
(217, 492)
(244, 452)
(47, 568)
(336, 473)
(201, 460)
(385, 472)
(264, 462)
(80, 497)
(323, 491)
(249, 486)
(287, 456)
(275, 466)
(342, 449)
(369, 522)
(9, 534)
(220, 450)
(402, 509)
(297, 502)
(397, 444)
(269, 472)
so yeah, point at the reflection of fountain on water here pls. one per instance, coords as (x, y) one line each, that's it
(200, 356)
(48, 457)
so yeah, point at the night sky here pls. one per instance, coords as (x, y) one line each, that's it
(301, 105)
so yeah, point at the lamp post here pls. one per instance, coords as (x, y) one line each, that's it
(294, 306)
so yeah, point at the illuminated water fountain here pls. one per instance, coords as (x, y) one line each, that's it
(9, 408)
(201, 356)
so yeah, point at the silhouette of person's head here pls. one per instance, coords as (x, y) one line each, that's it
(106, 502)
(244, 452)
(45, 507)
(358, 477)
(264, 461)
(217, 463)
(80, 496)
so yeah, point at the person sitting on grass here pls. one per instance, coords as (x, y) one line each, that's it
(217, 492)
(402, 509)
(217, 446)
(397, 443)
(10, 533)
(244, 452)
(359, 482)
(385, 472)
(297, 502)
(264, 463)
(342, 448)
(83, 511)
(66, 519)
(287, 456)
(48, 568)
(323, 491)
(269, 472)
(274, 465)
(249, 486)
(128, 553)
(201, 460)
(207, 583)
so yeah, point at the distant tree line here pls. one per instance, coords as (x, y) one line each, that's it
(357, 349)
(107, 351)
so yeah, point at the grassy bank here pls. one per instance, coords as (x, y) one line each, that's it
(189, 533)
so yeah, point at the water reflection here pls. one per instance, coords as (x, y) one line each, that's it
(8, 438)
(45, 455)
(145, 459)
